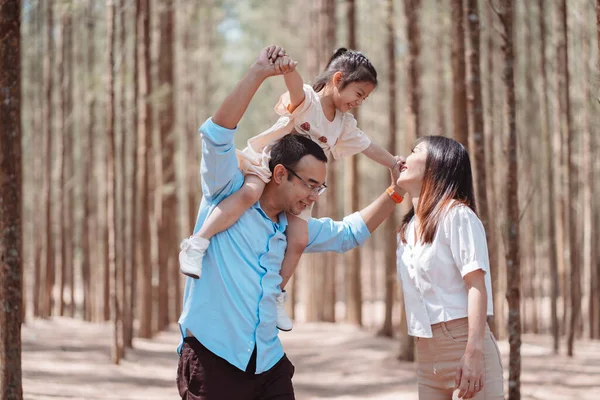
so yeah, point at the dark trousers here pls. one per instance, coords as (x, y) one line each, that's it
(202, 375)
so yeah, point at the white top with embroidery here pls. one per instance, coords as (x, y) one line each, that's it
(432, 274)
(338, 138)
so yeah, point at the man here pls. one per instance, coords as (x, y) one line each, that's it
(230, 347)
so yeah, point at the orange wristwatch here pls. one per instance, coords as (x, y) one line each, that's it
(395, 196)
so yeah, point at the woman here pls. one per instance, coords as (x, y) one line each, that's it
(444, 268)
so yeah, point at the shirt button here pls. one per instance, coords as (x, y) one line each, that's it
(249, 350)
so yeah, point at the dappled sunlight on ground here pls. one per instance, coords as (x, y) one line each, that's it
(69, 359)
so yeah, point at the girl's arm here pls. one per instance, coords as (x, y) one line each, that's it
(378, 154)
(294, 84)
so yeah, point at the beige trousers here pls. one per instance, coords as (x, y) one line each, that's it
(439, 356)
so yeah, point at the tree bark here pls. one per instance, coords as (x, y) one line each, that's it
(167, 220)
(144, 130)
(354, 294)
(589, 189)
(47, 197)
(549, 168)
(88, 228)
(133, 216)
(513, 272)
(476, 121)
(459, 87)
(331, 258)
(497, 322)
(11, 387)
(413, 34)
(572, 186)
(111, 182)
(390, 245)
(413, 117)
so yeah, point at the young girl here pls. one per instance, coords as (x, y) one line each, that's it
(322, 113)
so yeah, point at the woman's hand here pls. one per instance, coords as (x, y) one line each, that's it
(470, 374)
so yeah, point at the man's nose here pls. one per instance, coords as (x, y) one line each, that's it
(313, 197)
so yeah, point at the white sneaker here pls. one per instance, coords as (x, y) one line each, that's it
(191, 255)
(284, 323)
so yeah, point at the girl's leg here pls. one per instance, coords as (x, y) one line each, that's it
(231, 209)
(225, 214)
(297, 240)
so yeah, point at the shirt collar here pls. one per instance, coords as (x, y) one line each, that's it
(283, 221)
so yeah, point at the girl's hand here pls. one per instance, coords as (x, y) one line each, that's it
(395, 173)
(286, 64)
(265, 63)
(470, 374)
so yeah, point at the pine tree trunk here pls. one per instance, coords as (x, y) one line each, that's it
(390, 244)
(571, 186)
(560, 139)
(331, 258)
(497, 322)
(144, 130)
(39, 233)
(413, 34)
(47, 196)
(413, 89)
(167, 221)
(10, 202)
(549, 168)
(88, 224)
(133, 216)
(67, 199)
(513, 273)
(440, 93)
(459, 87)
(354, 295)
(476, 121)
(60, 161)
(111, 182)
(589, 188)
(127, 185)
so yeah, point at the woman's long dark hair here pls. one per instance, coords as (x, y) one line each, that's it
(447, 177)
(353, 65)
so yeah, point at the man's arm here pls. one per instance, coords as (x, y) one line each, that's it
(340, 236)
(219, 166)
(233, 108)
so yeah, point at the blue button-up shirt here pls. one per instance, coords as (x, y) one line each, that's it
(231, 308)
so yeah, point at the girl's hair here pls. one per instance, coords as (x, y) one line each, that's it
(353, 65)
(447, 177)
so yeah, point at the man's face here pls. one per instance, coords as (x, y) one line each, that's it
(297, 191)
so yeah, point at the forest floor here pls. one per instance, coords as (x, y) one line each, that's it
(70, 359)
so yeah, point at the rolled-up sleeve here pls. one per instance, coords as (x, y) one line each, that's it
(324, 234)
(219, 166)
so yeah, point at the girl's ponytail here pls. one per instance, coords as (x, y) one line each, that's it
(354, 66)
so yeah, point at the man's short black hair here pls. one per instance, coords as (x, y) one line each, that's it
(291, 148)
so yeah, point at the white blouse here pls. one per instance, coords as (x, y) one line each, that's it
(432, 274)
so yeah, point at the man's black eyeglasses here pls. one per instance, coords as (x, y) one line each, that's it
(316, 190)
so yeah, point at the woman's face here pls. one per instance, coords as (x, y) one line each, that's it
(411, 173)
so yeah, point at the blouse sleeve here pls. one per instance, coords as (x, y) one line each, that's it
(467, 240)
(283, 105)
(351, 141)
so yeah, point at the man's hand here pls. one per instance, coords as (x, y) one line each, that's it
(268, 62)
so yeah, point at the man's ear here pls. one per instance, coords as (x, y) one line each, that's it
(279, 174)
